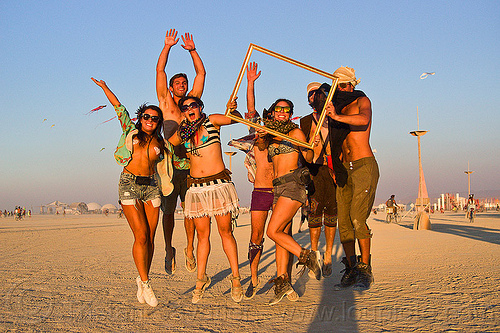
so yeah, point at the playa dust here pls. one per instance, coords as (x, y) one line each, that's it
(76, 274)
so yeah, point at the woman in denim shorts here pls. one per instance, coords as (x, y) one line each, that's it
(140, 153)
(289, 195)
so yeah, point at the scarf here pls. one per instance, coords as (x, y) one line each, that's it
(188, 128)
(339, 131)
(280, 126)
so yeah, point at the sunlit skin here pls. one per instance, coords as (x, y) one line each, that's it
(209, 162)
(142, 217)
(263, 175)
(279, 228)
(168, 98)
(179, 87)
(358, 116)
(141, 164)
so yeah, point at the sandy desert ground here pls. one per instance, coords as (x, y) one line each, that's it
(76, 274)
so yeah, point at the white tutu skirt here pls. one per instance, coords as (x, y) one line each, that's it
(210, 200)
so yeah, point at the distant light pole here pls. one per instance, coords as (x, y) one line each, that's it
(468, 172)
(230, 154)
(423, 197)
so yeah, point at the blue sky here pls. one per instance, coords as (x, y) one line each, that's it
(49, 50)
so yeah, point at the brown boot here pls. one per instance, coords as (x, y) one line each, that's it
(282, 288)
(309, 259)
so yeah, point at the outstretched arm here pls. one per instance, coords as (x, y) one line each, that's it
(109, 94)
(199, 80)
(164, 97)
(252, 75)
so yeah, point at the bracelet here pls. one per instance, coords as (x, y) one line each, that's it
(193, 49)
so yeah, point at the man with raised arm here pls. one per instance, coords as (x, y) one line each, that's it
(262, 194)
(356, 191)
(168, 96)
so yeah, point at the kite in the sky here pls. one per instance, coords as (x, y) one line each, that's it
(133, 119)
(96, 109)
(102, 149)
(44, 120)
(52, 125)
(107, 121)
(426, 74)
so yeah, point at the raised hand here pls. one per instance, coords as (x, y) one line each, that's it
(252, 74)
(187, 39)
(232, 104)
(109, 94)
(100, 83)
(171, 37)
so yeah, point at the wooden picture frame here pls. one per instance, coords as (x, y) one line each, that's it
(334, 79)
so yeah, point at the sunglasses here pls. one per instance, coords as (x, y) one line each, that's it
(312, 92)
(186, 107)
(285, 109)
(147, 116)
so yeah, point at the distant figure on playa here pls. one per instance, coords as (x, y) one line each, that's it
(471, 207)
(139, 151)
(168, 97)
(262, 194)
(211, 193)
(356, 179)
(321, 193)
(289, 195)
(391, 202)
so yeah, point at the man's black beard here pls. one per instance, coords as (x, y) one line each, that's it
(318, 102)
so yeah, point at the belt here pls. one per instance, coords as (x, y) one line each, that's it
(289, 177)
(224, 174)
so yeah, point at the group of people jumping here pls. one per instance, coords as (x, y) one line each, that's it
(174, 150)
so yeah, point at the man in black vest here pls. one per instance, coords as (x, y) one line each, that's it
(321, 192)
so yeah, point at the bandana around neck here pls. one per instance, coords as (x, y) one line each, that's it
(188, 128)
(280, 126)
(343, 98)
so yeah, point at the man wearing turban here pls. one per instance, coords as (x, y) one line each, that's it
(356, 177)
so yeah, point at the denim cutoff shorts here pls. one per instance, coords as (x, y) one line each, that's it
(129, 191)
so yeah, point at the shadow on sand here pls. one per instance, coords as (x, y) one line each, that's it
(335, 310)
(443, 224)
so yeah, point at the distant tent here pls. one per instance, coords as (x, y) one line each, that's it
(94, 207)
(53, 207)
(80, 207)
(111, 208)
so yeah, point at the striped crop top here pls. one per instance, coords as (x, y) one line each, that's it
(213, 137)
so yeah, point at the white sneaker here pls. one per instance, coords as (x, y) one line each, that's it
(140, 296)
(318, 257)
(149, 295)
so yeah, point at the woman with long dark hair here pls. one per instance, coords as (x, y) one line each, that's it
(140, 151)
(289, 195)
(211, 193)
